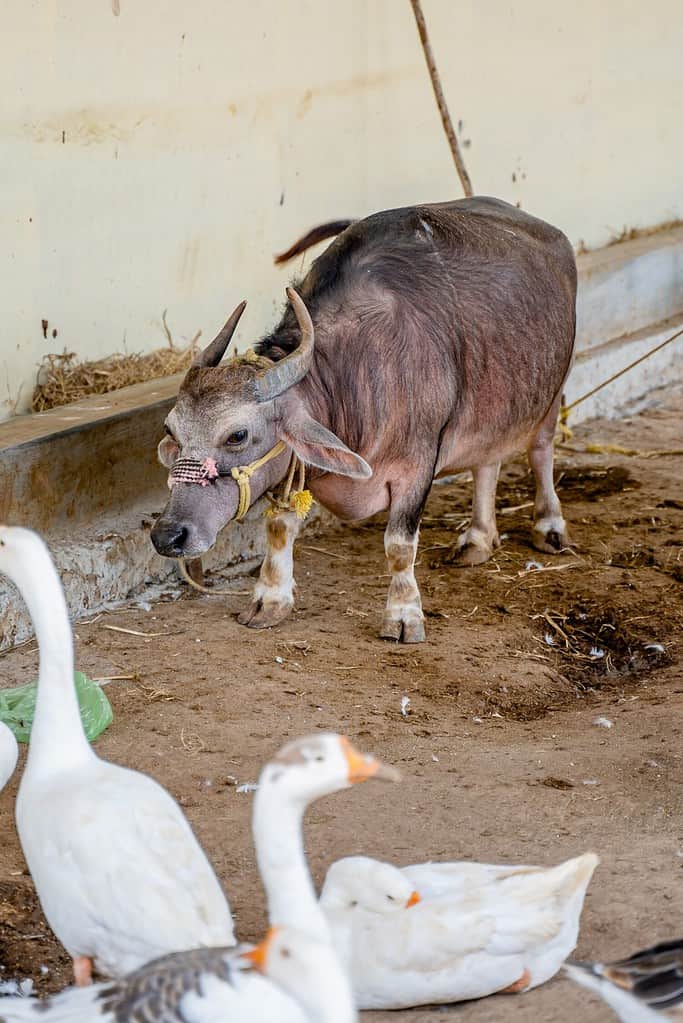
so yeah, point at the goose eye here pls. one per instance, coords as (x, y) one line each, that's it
(391, 898)
(320, 758)
(238, 437)
(285, 953)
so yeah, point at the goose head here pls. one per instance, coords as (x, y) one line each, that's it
(19, 548)
(317, 765)
(358, 881)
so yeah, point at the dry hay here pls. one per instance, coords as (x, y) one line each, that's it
(62, 379)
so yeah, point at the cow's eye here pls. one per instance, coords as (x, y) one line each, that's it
(168, 431)
(238, 437)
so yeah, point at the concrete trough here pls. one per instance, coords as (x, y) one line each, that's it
(86, 476)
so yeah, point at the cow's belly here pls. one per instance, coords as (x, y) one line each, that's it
(463, 450)
(463, 446)
(355, 500)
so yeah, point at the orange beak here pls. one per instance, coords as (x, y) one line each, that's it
(258, 956)
(413, 900)
(362, 766)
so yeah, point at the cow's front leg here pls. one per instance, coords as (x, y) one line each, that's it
(403, 618)
(476, 544)
(273, 597)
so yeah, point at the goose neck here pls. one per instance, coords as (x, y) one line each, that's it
(57, 736)
(281, 857)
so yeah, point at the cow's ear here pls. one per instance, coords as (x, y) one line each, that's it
(168, 451)
(316, 445)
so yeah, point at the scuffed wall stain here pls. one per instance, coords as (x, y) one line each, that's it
(165, 125)
(44, 324)
(305, 103)
(188, 264)
(358, 83)
(86, 127)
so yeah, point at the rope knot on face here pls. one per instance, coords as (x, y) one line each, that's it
(192, 470)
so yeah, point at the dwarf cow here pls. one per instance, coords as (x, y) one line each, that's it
(423, 341)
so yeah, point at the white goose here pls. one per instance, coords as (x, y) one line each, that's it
(9, 753)
(301, 772)
(645, 988)
(119, 873)
(435, 933)
(202, 985)
(303, 982)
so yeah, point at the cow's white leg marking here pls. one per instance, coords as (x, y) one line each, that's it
(273, 597)
(550, 529)
(403, 618)
(476, 544)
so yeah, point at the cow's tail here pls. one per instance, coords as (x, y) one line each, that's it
(316, 234)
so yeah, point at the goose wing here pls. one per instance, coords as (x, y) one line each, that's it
(199, 986)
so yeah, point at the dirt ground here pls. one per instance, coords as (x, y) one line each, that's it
(499, 747)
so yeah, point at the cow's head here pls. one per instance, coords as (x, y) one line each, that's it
(234, 414)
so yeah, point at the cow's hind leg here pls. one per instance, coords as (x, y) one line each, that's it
(476, 544)
(550, 529)
(403, 619)
(273, 597)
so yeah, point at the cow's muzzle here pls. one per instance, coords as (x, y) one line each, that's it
(170, 538)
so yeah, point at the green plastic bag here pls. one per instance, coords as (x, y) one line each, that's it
(18, 705)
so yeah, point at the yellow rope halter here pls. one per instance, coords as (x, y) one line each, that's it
(300, 501)
(242, 475)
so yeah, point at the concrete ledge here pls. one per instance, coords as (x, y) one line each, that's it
(626, 287)
(68, 467)
(630, 392)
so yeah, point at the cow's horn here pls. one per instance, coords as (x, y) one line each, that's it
(288, 371)
(213, 353)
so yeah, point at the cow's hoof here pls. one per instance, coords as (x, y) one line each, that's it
(260, 615)
(550, 541)
(474, 547)
(411, 630)
(467, 555)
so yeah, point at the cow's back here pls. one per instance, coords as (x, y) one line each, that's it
(461, 311)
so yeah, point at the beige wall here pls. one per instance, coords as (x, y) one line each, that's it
(159, 157)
